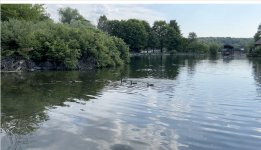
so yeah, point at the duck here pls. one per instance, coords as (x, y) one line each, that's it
(122, 80)
(150, 84)
(133, 82)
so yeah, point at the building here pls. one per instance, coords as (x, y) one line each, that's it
(227, 50)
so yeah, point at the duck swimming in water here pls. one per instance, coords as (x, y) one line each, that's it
(150, 84)
(133, 82)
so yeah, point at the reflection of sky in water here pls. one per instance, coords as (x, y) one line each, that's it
(208, 104)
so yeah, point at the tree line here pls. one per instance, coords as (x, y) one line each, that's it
(237, 43)
(28, 32)
(163, 36)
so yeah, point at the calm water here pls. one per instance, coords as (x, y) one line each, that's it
(194, 103)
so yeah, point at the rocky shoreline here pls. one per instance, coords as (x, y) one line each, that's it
(16, 64)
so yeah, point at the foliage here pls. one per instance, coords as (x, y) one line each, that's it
(196, 47)
(192, 37)
(67, 15)
(220, 41)
(123, 48)
(257, 51)
(258, 33)
(27, 12)
(160, 28)
(61, 43)
(153, 41)
(173, 39)
(102, 23)
(213, 49)
(134, 32)
(173, 24)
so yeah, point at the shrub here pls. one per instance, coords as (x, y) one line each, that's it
(61, 43)
(213, 49)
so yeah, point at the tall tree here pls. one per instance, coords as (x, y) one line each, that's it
(67, 15)
(136, 35)
(160, 28)
(258, 33)
(153, 41)
(102, 23)
(192, 37)
(26, 12)
(173, 24)
(147, 29)
(173, 39)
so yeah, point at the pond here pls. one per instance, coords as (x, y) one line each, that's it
(155, 102)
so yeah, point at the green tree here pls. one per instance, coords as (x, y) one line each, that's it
(196, 47)
(160, 28)
(153, 41)
(213, 49)
(192, 37)
(67, 15)
(258, 34)
(173, 39)
(26, 12)
(81, 24)
(133, 32)
(173, 24)
(102, 23)
(136, 35)
(147, 29)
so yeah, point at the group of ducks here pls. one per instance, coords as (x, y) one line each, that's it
(133, 82)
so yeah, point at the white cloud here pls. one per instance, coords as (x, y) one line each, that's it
(92, 12)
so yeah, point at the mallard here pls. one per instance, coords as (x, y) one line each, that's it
(150, 84)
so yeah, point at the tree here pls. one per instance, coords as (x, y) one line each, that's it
(133, 31)
(153, 40)
(81, 24)
(258, 34)
(67, 15)
(173, 24)
(102, 23)
(136, 35)
(192, 37)
(26, 12)
(160, 28)
(213, 49)
(147, 29)
(173, 39)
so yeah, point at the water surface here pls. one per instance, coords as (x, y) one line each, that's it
(156, 102)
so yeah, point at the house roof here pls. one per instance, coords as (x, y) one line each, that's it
(258, 42)
(228, 46)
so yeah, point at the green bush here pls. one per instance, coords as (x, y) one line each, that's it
(61, 43)
(213, 49)
(196, 47)
(257, 51)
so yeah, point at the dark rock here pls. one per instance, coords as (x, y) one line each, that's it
(16, 63)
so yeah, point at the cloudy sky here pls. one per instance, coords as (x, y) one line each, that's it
(226, 20)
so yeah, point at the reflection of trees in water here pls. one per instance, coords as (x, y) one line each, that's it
(156, 66)
(256, 62)
(190, 62)
(227, 59)
(26, 96)
(162, 66)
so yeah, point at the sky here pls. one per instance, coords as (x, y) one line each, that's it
(206, 20)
